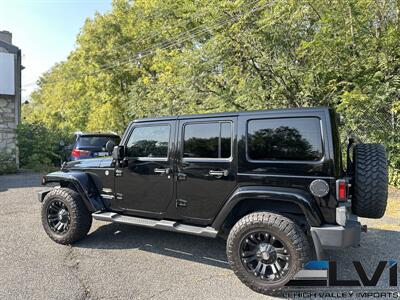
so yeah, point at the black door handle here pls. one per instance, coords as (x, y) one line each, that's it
(181, 176)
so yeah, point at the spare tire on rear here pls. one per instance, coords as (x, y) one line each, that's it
(370, 185)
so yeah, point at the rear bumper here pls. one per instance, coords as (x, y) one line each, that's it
(336, 237)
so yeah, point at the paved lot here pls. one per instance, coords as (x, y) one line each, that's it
(124, 262)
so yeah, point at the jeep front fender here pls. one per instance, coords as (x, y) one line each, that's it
(82, 183)
(298, 197)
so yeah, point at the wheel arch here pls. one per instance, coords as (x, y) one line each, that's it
(250, 199)
(80, 182)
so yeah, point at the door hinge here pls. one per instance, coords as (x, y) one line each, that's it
(119, 196)
(118, 173)
(181, 203)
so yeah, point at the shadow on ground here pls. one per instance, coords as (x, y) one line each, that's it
(120, 236)
(376, 245)
(19, 180)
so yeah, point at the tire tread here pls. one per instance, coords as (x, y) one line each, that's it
(286, 226)
(370, 181)
(81, 220)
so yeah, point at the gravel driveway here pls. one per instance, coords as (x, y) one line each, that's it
(125, 262)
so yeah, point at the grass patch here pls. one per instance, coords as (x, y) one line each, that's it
(393, 208)
(391, 219)
(383, 226)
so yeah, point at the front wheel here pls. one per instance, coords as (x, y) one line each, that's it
(265, 250)
(65, 217)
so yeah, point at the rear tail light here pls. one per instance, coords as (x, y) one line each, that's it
(341, 190)
(80, 153)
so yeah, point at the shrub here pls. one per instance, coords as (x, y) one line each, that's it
(7, 163)
(39, 146)
(394, 177)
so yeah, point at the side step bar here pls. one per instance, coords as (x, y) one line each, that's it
(162, 224)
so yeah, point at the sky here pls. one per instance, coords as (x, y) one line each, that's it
(45, 31)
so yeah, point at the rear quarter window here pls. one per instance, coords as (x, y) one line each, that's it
(289, 139)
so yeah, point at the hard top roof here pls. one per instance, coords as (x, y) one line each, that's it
(234, 114)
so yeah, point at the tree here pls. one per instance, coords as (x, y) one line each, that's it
(152, 57)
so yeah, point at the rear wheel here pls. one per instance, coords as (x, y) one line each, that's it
(370, 189)
(65, 218)
(265, 250)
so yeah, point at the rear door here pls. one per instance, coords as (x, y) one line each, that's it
(206, 168)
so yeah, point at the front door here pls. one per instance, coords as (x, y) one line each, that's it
(144, 185)
(205, 167)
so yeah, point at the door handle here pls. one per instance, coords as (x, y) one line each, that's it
(161, 171)
(181, 176)
(218, 173)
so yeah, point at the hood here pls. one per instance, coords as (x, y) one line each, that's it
(88, 163)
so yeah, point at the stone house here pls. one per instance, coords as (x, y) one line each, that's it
(10, 96)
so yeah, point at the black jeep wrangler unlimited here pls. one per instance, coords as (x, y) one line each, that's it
(271, 181)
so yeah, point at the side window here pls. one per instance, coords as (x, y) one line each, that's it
(226, 139)
(207, 140)
(149, 141)
(284, 139)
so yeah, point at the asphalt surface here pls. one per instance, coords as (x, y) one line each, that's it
(126, 262)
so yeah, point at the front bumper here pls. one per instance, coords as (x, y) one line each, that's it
(336, 237)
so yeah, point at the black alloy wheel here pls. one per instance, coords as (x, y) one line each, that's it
(265, 255)
(58, 217)
(65, 217)
(266, 250)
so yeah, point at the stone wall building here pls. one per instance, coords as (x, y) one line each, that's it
(10, 96)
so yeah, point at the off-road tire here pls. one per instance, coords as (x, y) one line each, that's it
(280, 226)
(80, 217)
(370, 190)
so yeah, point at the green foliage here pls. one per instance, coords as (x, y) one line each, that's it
(394, 177)
(39, 147)
(7, 163)
(162, 57)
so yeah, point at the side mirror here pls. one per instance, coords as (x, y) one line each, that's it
(118, 153)
(110, 146)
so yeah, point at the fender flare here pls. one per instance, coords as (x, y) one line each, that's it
(82, 183)
(298, 197)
